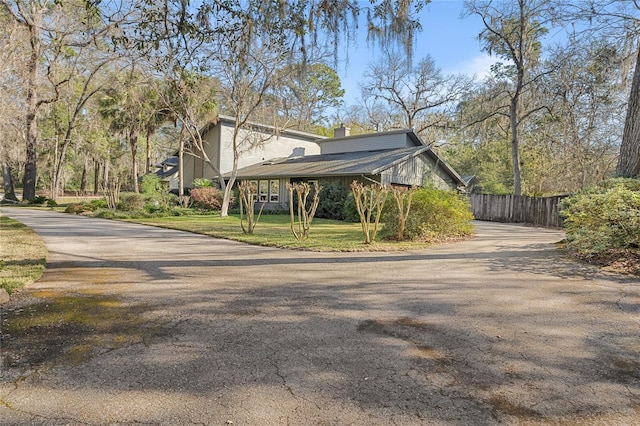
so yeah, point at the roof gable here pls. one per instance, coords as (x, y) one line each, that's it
(264, 128)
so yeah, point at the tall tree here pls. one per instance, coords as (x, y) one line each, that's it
(31, 16)
(51, 28)
(307, 91)
(479, 141)
(419, 95)
(81, 70)
(513, 31)
(249, 67)
(617, 21)
(629, 159)
(125, 108)
(580, 138)
(12, 64)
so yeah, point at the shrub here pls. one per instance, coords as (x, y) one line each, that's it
(604, 217)
(78, 208)
(332, 202)
(131, 202)
(180, 211)
(201, 183)
(39, 200)
(160, 203)
(349, 210)
(105, 214)
(151, 184)
(87, 206)
(435, 215)
(158, 199)
(98, 203)
(206, 198)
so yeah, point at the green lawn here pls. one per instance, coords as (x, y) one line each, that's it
(22, 255)
(274, 230)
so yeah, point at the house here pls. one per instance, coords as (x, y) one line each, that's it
(168, 172)
(397, 157)
(257, 143)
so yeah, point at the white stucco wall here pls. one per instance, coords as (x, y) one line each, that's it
(218, 143)
(265, 147)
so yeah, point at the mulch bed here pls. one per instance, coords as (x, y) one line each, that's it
(619, 260)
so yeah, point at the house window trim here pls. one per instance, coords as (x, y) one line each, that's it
(274, 196)
(263, 197)
(272, 193)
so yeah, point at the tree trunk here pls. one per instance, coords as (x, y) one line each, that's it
(515, 147)
(181, 167)
(58, 164)
(226, 198)
(629, 159)
(226, 190)
(150, 133)
(133, 141)
(9, 191)
(96, 177)
(105, 175)
(30, 177)
(83, 179)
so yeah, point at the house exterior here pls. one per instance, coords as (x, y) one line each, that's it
(168, 172)
(397, 157)
(258, 143)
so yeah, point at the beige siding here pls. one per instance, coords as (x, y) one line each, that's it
(212, 148)
(189, 169)
(371, 142)
(174, 182)
(195, 167)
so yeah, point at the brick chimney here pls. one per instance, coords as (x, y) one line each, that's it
(342, 131)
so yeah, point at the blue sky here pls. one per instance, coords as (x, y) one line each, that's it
(451, 41)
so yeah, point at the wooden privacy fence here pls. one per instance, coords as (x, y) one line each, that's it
(538, 211)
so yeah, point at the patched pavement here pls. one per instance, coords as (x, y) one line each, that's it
(174, 328)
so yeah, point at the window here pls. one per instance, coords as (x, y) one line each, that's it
(274, 191)
(254, 196)
(266, 191)
(263, 190)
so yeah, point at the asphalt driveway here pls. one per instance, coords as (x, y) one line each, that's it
(173, 328)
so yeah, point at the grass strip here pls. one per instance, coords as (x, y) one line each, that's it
(23, 255)
(275, 231)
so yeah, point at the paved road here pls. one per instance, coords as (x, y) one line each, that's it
(175, 328)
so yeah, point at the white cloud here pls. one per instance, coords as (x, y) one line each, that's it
(479, 65)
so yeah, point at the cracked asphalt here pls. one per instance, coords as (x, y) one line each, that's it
(500, 329)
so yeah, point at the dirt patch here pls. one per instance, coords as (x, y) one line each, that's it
(55, 328)
(500, 405)
(626, 261)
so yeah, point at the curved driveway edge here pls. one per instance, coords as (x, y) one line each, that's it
(176, 328)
